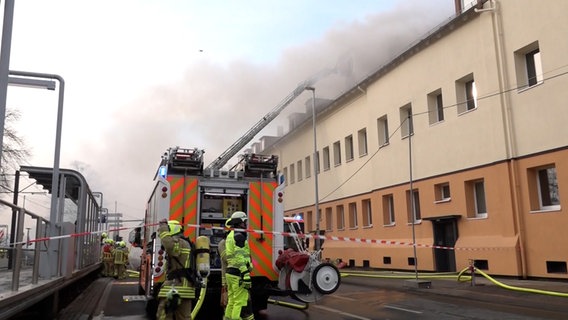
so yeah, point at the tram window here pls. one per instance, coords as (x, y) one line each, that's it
(135, 237)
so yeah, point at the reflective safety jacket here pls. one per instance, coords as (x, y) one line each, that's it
(107, 252)
(120, 255)
(238, 253)
(178, 271)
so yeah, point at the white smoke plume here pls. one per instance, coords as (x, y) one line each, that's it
(214, 105)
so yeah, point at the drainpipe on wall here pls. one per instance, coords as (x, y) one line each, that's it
(508, 126)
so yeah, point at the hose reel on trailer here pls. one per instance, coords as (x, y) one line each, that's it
(319, 280)
(305, 276)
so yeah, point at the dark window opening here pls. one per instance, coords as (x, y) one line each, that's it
(440, 107)
(387, 260)
(411, 261)
(366, 263)
(470, 95)
(531, 67)
(351, 263)
(556, 267)
(481, 264)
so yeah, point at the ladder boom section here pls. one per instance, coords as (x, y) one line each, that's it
(343, 66)
(252, 132)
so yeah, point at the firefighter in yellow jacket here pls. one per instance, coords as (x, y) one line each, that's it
(106, 256)
(120, 255)
(238, 270)
(178, 290)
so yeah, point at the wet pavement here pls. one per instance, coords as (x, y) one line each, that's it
(108, 298)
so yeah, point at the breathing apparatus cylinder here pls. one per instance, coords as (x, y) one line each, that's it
(202, 256)
(202, 264)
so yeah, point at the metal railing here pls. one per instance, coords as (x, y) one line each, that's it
(16, 248)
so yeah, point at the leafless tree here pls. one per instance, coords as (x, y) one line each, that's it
(14, 151)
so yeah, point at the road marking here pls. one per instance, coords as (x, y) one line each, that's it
(341, 312)
(403, 309)
(343, 298)
(133, 298)
(124, 283)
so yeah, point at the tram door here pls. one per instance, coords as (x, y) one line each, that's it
(445, 235)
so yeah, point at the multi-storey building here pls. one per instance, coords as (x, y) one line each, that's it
(459, 144)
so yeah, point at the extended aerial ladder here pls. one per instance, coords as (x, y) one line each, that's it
(343, 66)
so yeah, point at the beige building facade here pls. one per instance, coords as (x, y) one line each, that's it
(473, 119)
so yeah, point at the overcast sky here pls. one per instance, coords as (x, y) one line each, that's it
(142, 76)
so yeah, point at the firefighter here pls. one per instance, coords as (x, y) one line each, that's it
(178, 290)
(120, 255)
(238, 270)
(106, 256)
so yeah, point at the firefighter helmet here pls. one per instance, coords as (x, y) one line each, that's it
(174, 227)
(104, 235)
(122, 244)
(236, 218)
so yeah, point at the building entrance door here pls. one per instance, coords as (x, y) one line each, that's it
(445, 235)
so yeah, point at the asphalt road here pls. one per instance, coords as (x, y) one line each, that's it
(366, 299)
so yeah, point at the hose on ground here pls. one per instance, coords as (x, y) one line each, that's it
(514, 288)
(289, 304)
(395, 275)
(200, 300)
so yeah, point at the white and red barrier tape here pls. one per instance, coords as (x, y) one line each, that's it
(285, 234)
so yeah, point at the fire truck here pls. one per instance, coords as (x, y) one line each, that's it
(202, 200)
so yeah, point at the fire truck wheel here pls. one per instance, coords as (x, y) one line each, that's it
(326, 278)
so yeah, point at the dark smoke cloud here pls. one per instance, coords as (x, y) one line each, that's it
(214, 105)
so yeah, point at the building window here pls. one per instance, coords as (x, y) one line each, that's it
(292, 174)
(340, 214)
(475, 199)
(317, 164)
(349, 148)
(383, 128)
(534, 67)
(362, 137)
(467, 4)
(528, 66)
(466, 93)
(479, 193)
(367, 213)
(471, 95)
(285, 173)
(337, 153)
(353, 215)
(328, 219)
(413, 206)
(308, 167)
(388, 210)
(309, 222)
(543, 188)
(407, 127)
(548, 188)
(300, 168)
(435, 107)
(326, 160)
(442, 192)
